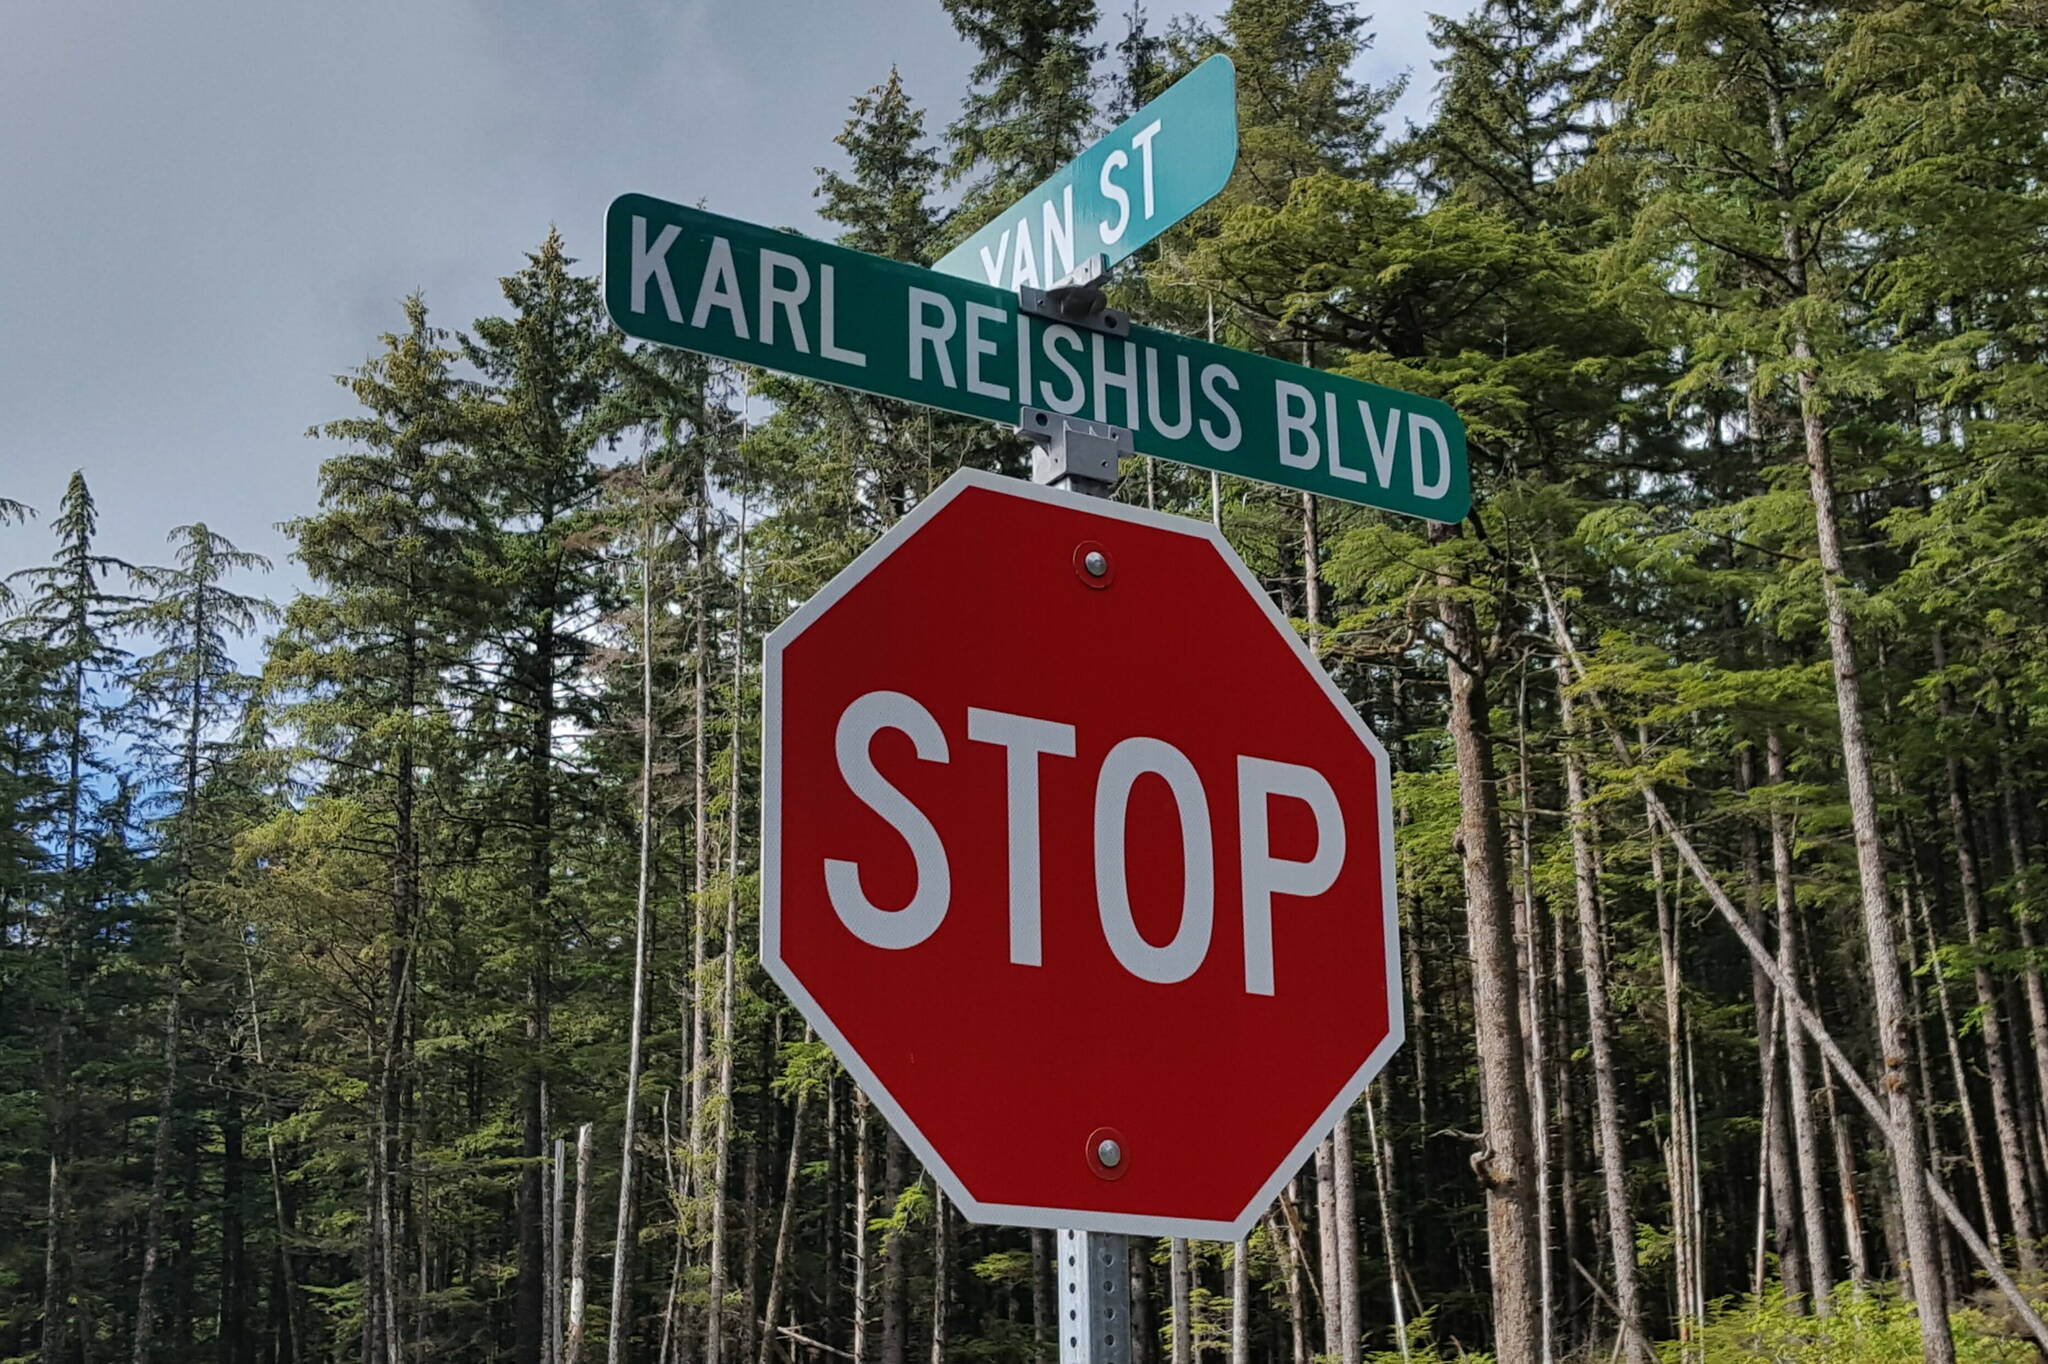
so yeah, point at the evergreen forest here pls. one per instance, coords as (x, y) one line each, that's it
(379, 974)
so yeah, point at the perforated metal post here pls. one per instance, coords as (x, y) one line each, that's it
(1095, 1298)
(1094, 1266)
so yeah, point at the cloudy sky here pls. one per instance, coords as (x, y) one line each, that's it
(209, 210)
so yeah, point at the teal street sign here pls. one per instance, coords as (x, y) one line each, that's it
(1157, 166)
(683, 277)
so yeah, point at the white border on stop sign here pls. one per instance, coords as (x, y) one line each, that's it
(975, 1210)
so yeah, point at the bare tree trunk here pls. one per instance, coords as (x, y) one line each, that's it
(552, 1308)
(1812, 1200)
(1528, 950)
(288, 1278)
(1183, 1328)
(1346, 1170)
(1969, 880)
(941, 1297)
(623, 1238)
(714, 1340)
(235, 1341)
(700, 837)
(1778, 1187)
(572, 1351)
(785, 1231)
(721, 1159)
(895, 1274)
(1678, 1147)
(1144, 1337)
(56, 1261)
(1504, 1161)
(1240, 1301)
(1382, 1157)
(1044, 1297)
(1562, 1076)
(152, 1246)
(1613, 1158)
(677, 1192)
(1849, 1188)
(1297, 1306)
(2023, 919)
(1973, 1142)
(1326, 1244)
(859, 1342)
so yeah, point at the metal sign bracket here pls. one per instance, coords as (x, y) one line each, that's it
(1078, 301)
(1074, 454)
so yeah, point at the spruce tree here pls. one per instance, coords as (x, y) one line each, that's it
(1032, 108)
(72, 618)
(1512, 115)
(883, 199)
(361, 661)
(1299, 111)
(193, 686)
(541, 413)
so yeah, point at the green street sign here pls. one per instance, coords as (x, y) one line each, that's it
(1156, 167)
(682, 277)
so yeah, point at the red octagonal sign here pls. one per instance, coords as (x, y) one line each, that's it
(1079, 861)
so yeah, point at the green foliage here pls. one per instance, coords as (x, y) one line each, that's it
(1870, 1327)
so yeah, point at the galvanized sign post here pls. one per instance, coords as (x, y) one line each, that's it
(1094, 1266)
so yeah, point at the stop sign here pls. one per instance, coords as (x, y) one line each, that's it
(1078, 860)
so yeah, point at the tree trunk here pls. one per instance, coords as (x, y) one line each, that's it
(1326, 1246)
(1678, 1147)
(1183, 1326)
(233, 1337)
(527, 1314)
(55, 1343)
(941, 1297)
(1382, 1157)
(785, 1231)
(287, 1279)
(714, 1342)
(721, 1145)
(552, 1297)
(152, 1246)
(1973, 1142)
(572, 1350)
(859, 1342)
(1805, 1142)
(1044, 1296)
(1528, 950)
(623, 1239)
(1903, 1135)
(1613, 1158)
(895, 1273)
(1849, 1187)
(1346, 1171)
(1779, 1184)
(1503, 1163)
(1144, 1340)
(1970, 882)
(700, 837)
(1240, 1301)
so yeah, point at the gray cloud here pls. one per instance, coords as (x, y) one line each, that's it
(209, 210)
